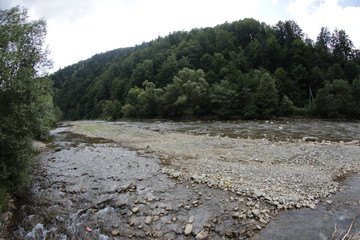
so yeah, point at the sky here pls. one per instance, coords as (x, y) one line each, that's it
(79, 29)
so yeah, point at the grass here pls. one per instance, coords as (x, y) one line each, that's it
(91, 127)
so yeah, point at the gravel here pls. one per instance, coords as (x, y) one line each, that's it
(285, 174)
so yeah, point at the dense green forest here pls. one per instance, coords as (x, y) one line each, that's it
(244, 69)
(27, 110)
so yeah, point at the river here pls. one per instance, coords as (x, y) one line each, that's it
(95, 188)
(274, 130)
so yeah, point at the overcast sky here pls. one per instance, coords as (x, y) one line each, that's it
(78, 29)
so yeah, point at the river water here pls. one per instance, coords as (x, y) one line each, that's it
(95, 189)
(274, 130)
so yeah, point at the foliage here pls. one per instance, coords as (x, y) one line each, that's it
(334, 100)
(26, 105)
(233, 58)
(186, 94)
(266, 97)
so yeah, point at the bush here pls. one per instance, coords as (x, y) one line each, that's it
(26, 104)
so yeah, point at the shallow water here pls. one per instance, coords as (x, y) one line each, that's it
(89, 189)
(320, 223)
(274, 130)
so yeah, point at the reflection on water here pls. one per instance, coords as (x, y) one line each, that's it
(273, 130)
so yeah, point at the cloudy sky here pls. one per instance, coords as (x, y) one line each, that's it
(78, 29)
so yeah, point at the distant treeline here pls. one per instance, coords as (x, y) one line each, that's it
(244, 69)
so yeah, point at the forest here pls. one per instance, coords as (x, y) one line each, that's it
(245, 70)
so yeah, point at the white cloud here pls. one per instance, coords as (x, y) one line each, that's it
(311, 15)
(113, 24)
(79, 29)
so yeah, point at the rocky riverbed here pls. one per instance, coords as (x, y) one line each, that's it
(283, 174)
(123, 182)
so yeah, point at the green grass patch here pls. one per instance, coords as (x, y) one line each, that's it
(91, 128)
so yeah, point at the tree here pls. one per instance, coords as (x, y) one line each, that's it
(246, 30)
(341, 45)
(267, 98)
(355, 93)
(224, 41)
(149, 100)
(322, 48)
(285, 85)
(111, 110)
(287, 32)
(334, 100)
(26, 105)
(271, 53)
(186, 94)
(143, 71)
(224, 99)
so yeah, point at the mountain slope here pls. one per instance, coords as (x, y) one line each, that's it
(244, 69)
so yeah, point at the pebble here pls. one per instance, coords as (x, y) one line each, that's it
(258, 193)
(148, 220)
(135, 209)
(262, 220)
(312, 206)
(255, 212)
(115, 233)
(202, 235)
(191, 219)
(188, 229)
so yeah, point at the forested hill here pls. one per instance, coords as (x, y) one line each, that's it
(244, 69)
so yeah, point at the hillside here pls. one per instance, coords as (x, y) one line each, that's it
(244, 69)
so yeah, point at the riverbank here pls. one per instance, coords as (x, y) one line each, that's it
(104, 180)
(6, 217)
(284, 174)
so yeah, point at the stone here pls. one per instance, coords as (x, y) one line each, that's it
(115, 233)
(188, 229)
(135, 209)
(312, 206)
(263, 221)
(148, 220)
(191, 219)
(329, 202)
(202, 235)
(310, 139)
(255, 212)
(176, 174)
(258, 193)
